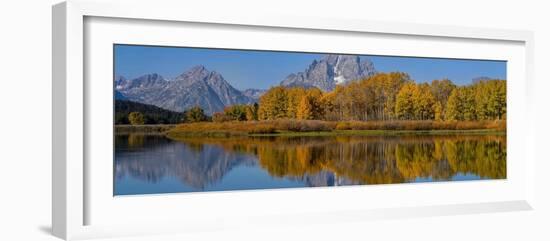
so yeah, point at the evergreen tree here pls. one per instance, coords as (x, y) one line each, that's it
(252, 112)
(136, 118)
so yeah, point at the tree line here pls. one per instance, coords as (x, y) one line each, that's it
(129, 112)
(387, 96)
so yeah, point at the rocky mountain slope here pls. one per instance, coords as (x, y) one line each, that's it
(196, 87)
(330, 71)
(254, 93)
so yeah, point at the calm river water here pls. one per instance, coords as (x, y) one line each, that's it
(147, 164)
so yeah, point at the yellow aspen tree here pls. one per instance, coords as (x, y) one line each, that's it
(404, 107)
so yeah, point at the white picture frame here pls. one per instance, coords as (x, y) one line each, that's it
(75, 191)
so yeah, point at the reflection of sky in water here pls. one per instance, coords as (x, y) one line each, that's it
(457, 177)
(154, 164)
(237, 179)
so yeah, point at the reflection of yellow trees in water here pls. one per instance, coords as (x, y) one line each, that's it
(488, 158)
(419, 160)
(296, 161)
(374, 160)
(136, 140)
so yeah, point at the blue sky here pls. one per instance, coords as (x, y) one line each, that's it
(261, 69)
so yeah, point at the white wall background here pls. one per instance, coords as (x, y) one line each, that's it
(25, 119)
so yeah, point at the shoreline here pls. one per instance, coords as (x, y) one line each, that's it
(178, 135)
(315, 128)
(383, 132)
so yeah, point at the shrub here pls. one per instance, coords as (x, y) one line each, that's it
(343, 126)
(195, 114)
(262, 129)
(220, 117)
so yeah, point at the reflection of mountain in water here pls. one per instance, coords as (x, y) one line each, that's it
(312, 161)
(324, 179)
(196, 165)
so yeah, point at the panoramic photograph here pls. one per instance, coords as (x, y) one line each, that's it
(190, 119)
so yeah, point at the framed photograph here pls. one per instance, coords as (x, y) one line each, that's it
(167, 122)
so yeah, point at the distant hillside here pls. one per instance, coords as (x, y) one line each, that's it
(255, 94)
(153, 114)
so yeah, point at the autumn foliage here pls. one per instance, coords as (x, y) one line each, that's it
(388, 97)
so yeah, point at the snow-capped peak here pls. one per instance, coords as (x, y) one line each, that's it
(338, 77)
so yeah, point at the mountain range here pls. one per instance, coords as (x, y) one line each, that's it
(254, 93)
(195, 87)
(209, 90)
(330, 71)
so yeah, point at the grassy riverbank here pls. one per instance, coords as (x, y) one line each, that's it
(143, 129)
(384, 132)
(329, 128)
